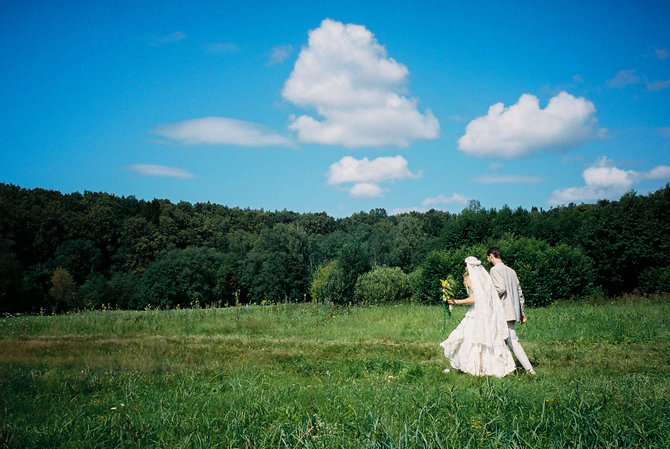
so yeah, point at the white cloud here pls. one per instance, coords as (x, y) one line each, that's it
(366, 175)
(434, 203)
(606, 181)
(624, 78)
(508, 179)
(381, 169)
(345, 75)
(441, 199)
(366, 190)
(406, 210)
(605, 175)
(523, 128)
(659, 173)
(280, 54)
(220, 131)
(160, 171)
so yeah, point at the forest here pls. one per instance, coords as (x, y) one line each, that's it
(63, 252)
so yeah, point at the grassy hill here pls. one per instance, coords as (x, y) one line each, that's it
(312, 375)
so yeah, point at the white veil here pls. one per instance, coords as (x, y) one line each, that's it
(488, 308)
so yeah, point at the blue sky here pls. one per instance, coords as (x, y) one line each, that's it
(338, 106)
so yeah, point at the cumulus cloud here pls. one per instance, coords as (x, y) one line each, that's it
(160, 171)
(366, 175)
(443, 200)
(508, 179)
(606, 181)
(520, 129)
(220, 131)
(357, 91)
(366, 190)
(659, 173)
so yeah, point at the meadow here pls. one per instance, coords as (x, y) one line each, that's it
(317, 376)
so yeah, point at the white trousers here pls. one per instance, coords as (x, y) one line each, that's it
(515, 347)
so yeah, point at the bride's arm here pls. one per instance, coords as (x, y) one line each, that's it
(467, 301)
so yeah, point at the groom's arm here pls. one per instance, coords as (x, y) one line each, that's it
(522, 300)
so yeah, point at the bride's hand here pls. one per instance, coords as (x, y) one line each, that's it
(451, 301)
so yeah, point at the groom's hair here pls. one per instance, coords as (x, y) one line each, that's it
(495, 251)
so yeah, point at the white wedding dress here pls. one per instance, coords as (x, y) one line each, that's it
(477, 346)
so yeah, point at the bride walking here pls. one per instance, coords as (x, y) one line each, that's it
(477, 346)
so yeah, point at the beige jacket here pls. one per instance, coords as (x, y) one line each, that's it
(509, 290)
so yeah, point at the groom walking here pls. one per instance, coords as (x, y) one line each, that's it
(509, 290)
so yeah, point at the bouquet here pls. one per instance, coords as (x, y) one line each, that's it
(448, 286)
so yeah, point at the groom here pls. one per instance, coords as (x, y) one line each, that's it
(509, 290)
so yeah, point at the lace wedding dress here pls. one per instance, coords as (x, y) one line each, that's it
(477, 346)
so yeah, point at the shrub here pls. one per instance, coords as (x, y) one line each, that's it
(382, 284)
(655, 280)
(548, 273)
(329, 284)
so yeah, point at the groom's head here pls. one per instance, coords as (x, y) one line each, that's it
(493, 253)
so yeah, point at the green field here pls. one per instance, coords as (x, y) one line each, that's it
(316, 376)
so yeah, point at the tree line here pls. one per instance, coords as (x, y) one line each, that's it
(62, 252)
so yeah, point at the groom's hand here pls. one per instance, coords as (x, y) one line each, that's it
(523, 319)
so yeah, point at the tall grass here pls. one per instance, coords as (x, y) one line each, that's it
(316, 376)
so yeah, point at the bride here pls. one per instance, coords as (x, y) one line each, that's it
(477, 346)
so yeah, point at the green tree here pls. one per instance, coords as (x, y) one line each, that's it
(181, 277)
(329, 284)
(353, 260)
(277, 268)
(381, 285)
(79, 257)
(63, 290)
(93, 292)
(123, 290)
(409, 243)
(11, 280)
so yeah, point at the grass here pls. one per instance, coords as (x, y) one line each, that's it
(315, 376)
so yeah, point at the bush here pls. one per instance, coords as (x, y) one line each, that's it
(382, 284)
(329, 284)
(548, 273)
(655, 280)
